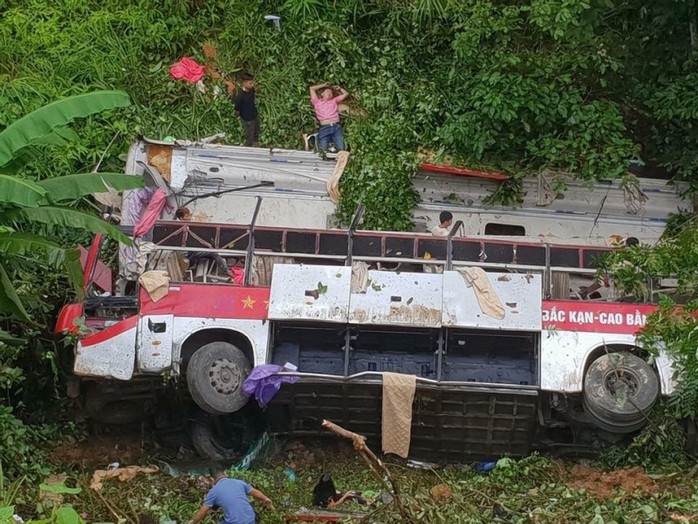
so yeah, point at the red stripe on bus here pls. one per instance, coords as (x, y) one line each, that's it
(209, 301)
(595, 317)
(110, 332)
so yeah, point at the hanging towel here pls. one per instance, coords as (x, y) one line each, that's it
(359, 277)
(156, 284)
(487, 298)
(398, 395)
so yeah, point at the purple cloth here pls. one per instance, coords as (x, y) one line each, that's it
(264, 382)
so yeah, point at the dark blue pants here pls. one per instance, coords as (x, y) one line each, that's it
(330, 133)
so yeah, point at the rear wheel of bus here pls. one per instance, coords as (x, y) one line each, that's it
(619, 392)
(215, 374)
(221, 437)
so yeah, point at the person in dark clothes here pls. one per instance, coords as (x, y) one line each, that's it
(325, 495)
(246, 109)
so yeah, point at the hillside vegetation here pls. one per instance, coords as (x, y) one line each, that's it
(581, 86)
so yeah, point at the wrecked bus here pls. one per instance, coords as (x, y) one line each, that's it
(513, 344)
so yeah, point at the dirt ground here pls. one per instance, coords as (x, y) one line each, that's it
(101, 450)
(604, 485)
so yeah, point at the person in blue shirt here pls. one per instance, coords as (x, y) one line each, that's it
(230, 495)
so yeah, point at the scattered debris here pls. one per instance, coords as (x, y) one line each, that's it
(122, 474)
(53, 489)
(298, 456)
(307, 515)
(441, 493)
(377, 467)
(418, 464)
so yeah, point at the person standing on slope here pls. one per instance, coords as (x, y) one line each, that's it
(246, 109)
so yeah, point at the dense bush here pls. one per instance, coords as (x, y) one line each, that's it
(517, 87)
(575, 85)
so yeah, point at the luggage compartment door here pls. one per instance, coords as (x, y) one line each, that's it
(508, 301)
(300, 292)
(398, 299)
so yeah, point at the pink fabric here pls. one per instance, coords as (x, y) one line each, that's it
(151, 214)
(326, 110)
(188, 70)
(238, 275)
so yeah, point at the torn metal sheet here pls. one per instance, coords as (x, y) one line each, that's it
(310, 293)
(110, 353)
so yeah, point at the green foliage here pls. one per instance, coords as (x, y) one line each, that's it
(26, 203)
(42, 123)
(671, 328)
(514, 87)
(20, 446)
(531, 490)
(661, 443)
(676, 329)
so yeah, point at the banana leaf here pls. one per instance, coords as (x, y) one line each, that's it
(42, 122)
(26, 245)
(21, 193)
(64, 217)
(9, 301)
(70, 187)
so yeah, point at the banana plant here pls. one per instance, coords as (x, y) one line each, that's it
(25, 202)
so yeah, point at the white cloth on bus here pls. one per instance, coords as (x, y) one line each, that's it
(487, 299)
(359, 277)
(156, 284)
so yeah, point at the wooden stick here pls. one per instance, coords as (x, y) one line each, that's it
(374, 464)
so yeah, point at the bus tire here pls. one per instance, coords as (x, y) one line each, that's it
(208, 445)
(619, 390)
(114, 411)
(215, 374)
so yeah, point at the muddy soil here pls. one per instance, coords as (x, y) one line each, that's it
(604, 485)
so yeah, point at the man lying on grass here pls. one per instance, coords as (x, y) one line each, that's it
(230, 495)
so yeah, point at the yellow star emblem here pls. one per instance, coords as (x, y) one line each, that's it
(266, 304)
(248, 303)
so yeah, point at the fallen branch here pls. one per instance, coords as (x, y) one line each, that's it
(109, 507)
(374, 463)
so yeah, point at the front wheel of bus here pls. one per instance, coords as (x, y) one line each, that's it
(215, 374)
(619, 390)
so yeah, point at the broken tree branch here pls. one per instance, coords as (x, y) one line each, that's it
(375, 464)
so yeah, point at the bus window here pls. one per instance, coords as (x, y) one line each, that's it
(503, 230)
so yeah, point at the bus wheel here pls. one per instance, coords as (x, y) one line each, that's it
(113, 411)
(619, 390)
(215, 374)
(222, 438)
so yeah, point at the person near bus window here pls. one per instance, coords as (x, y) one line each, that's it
(183, 214)
(246, 109)
(443, 228)
(326, 106)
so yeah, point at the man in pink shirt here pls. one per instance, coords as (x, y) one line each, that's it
(327, 112)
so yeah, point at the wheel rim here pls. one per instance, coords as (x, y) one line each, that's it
(621, 384)
(224, 376)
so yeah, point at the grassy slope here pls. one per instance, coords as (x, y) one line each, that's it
(533, 490)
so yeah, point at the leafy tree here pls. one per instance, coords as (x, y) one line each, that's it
(25, 203)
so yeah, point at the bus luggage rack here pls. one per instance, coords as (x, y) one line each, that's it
(371, 245)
